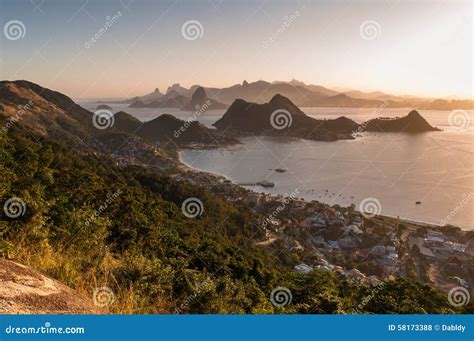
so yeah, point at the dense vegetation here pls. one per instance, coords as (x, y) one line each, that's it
(152, 256)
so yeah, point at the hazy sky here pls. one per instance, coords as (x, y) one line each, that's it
(404, 47)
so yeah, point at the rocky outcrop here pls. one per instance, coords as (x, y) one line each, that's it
(104, 107)
(281, 117)
(199, 96)
(411, 123)
(26, 291)
(200, 100)
(167, 128)
(309, 95)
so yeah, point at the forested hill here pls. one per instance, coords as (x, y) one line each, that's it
(88, 223)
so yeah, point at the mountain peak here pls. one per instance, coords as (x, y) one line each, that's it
(414, 114)
(296, 82)
(279, 99)
(281, 116)
(199, 96)
(173, 87)
(413, 122)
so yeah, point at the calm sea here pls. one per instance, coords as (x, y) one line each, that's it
(397, 170)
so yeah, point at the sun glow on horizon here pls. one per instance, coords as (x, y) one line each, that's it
(401, 48)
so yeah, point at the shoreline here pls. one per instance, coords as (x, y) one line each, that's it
(187, 167)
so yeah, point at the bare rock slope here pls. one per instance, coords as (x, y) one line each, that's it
(25, 291)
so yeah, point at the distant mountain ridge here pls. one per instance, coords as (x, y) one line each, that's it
(175, 99)
(305, 95)
(172, 99)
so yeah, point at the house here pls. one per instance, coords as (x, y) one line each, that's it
(317, 241)
(371, 280)
(353, 229)
(457, 247)
(392, 255)
(357, 220)
(378, 250)
(427, 252)
(318, 220)
(303, 268)
(339, 216)
(354, 274)
(323, 261)
(348, 241)
(326, 267)
(334, 245)
(435, 238)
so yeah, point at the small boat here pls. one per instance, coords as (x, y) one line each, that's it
(265, 183)
(418, 202)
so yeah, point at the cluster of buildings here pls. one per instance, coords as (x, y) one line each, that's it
(339, 239)
(437, 246)
(352, 274)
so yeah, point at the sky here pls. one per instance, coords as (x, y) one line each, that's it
(420, 48)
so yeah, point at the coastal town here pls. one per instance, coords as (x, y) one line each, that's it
(363, 248)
